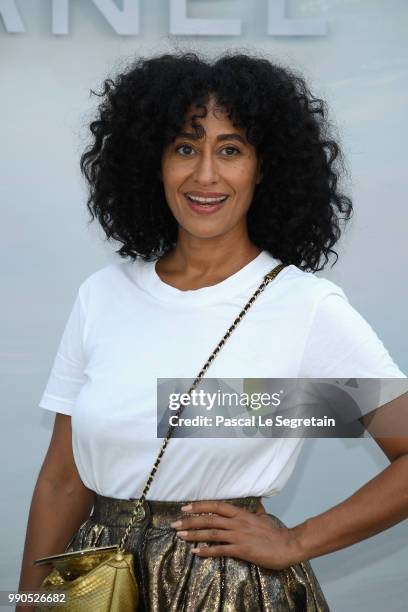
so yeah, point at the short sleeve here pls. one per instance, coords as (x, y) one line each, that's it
(341, 343)
(67, 373)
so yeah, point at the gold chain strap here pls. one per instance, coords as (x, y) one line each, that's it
(138, 512)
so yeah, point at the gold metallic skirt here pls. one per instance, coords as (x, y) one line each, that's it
(173, 579)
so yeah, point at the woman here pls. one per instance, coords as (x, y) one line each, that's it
(210, 175)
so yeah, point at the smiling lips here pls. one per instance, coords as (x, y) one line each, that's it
(206, 198)
(208, 202)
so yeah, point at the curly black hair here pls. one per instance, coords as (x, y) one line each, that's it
(296, 210)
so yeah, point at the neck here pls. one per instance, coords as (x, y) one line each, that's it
(196, 262)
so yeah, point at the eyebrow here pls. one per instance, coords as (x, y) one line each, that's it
(220, 137)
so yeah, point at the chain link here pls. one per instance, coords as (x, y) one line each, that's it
(138, 512)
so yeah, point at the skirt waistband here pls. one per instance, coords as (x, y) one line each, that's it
(112, 511)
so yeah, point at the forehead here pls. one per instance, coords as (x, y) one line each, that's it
(216, 120)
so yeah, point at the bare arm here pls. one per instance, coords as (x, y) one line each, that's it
(378, 505)
(60, 503)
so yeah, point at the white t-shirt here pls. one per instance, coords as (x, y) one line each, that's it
(127, 328)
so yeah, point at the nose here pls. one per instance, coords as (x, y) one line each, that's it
(206, 171)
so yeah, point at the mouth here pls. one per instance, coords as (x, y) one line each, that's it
(206, 204)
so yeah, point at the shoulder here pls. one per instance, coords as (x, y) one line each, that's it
(108, 280)
(330, 310)
(307, 286)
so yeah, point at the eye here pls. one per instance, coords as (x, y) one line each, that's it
(233, 149)
(184, 146)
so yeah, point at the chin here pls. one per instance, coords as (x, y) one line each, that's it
(204, 233)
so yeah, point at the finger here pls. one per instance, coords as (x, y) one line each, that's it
(218, 507)
(226, 550)
(203, 521)
(208, 535)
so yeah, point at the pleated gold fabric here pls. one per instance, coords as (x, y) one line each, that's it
(173, 579)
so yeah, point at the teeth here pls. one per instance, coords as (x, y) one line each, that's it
(207, 200)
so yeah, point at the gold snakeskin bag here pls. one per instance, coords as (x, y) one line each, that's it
(103, 578)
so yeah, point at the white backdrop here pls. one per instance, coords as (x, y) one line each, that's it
(359, 66)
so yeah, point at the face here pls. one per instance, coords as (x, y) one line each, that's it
(209, 182)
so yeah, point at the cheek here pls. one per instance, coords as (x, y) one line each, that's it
(241, 174)
(173, 176)
(244, 186)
